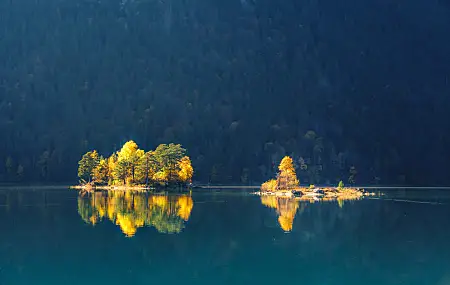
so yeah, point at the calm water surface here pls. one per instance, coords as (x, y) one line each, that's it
(55, 236)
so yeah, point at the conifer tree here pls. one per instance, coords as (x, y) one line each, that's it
(287, 178)
(87, 164)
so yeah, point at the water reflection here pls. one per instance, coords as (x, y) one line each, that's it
(133, 210)
(286, 209)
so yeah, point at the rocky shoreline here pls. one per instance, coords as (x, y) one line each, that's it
(319, 193)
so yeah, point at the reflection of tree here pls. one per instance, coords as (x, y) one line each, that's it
(131, 211)
(286, 209)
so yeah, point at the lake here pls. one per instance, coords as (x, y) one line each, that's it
(56, 236)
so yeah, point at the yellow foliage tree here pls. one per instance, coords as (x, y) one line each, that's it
(287, 178)
(112, 162)
(270, 185)
(186, 171)
(128, 157)
(161, 176)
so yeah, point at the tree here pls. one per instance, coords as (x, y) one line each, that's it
(121, 171)
(353, 172)
(168, 157)
(42, 164)
(86, 165)
(287, 178)
(20, 172)
(270, 185)
(129, 156)
(186, 171)
(100, 173)
(146, 168)
(112, 162)
(340, 185)
(161, 176)
(9, 164)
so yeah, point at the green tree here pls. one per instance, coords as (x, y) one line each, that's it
(87, 164)
(121, 171)
(100, 173)
(42, 164)
(9, 164)
(146, 168)
(168, 157)
(352, 176)
(340, 185)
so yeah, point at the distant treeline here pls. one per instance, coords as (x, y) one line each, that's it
(347, 92)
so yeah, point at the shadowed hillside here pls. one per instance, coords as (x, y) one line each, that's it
(349, 89)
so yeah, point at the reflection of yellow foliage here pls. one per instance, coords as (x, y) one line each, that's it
(160, 201)
(286, 209)
(131, 211)
(286, 223)
(270, 201)
(126, 224)
(93, 220)
(185, 205)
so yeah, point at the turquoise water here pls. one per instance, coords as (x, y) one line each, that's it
(55, 236)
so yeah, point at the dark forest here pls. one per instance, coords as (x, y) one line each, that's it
(353, 90)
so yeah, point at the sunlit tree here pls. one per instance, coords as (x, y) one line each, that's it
(270, 185)
(100, 173)
(161, 176)
(86, 165)
(287, 178)
(112, 163)
(186, 171)
(121, 171)
(168, 157)
(129, 155)
(146, 168)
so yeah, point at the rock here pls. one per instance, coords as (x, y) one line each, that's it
(318, 191)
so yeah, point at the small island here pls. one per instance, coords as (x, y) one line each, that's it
(136, 169)
(287, 185)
